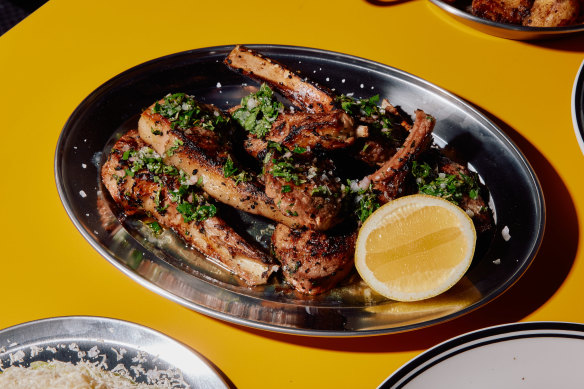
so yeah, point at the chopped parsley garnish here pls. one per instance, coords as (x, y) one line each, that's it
(365, 201)
(258, 111)
(183, 111)
(286, 188)
(191, 204)
(299, 150)
(275, 146)
(284, 168)
(363, 107)
(172, 149)
(368, 108)
(451, 187)
(197, 209)
(155, 227)
(230, 170)
(149, 159)
(322, 191)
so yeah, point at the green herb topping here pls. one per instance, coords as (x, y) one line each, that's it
(367, 108)
(322, 191)
(364, 107)
(286, 169)
(230, 170)
(365, 201)
(184, 112)
(451, 187)
(175, 146)
(155, 227)
(258, 111)
(146, 158)
(192, 205)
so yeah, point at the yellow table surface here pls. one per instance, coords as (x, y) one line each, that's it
(67, 48)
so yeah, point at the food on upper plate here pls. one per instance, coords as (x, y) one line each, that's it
(553, 13)
(315, 169)
(532, 13)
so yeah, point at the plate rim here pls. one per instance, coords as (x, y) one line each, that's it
(520, 32)
(493, 128)
(126, 324)
(578, 107)
(475, 339)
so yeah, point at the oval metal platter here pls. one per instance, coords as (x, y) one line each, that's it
(178, 273)
(461, 12)
(140, 353)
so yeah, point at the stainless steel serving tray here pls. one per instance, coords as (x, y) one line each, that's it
(178, 274)
(110, 344)
(504, 30)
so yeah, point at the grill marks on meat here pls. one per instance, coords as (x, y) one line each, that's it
(204, 153)
(330, 131)
(307, 96)
(313, 197)
(298, 187)
(325, 131)
(313, 262)
(212, 237)
(390, 178)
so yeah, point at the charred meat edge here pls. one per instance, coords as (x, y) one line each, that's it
(212, 237)
(306, 96)
(201, 159)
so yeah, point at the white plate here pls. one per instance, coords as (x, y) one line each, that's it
(111, 344)
(578, 106)
(523, 355)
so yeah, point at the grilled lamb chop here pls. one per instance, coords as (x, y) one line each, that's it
(313, 262)
(328, 131)
(201, 147)
(380, 130)
(139, 182)
(301, 130)
(390, 178)
(306, 96)
(476, 207)
(306, 190)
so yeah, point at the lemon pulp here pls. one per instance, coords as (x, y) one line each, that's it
(415, 247)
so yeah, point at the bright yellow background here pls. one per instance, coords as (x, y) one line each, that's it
(62, 52)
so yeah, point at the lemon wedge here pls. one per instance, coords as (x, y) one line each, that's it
(415, 247)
